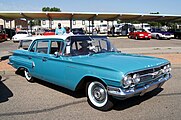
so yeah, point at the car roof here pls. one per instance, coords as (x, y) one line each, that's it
(45, 37)
(64, 37)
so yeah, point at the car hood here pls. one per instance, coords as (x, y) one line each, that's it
(121, 62)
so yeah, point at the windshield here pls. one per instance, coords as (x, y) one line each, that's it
(146, 25)
(78, 31)
(104, 25)
(85, 45)
(21, 32)
(140, 30)
(52, 30)
(117, 25)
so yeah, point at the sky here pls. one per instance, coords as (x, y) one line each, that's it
(114, 6)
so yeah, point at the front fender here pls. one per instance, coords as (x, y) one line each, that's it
(76, 73)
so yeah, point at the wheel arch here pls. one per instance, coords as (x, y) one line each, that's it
(20, 68)
(82, 84)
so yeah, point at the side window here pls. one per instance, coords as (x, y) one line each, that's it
(56, 46)
(42, 47)
(33, 48)
(101, 45)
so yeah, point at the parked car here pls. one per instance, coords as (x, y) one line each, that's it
(160, 34)
(49, 32)
(90, 28)
(19, 35)
(9, 32)
(79, 31)
(25, 42)
(103, 28)
(115, 29)
(176, 32)
(3, 35)
(126, 28)
(139, 34)
(93, 65)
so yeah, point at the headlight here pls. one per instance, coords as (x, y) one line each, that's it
(166, 69)
(127, 81)
(136, 78)
(169, 68)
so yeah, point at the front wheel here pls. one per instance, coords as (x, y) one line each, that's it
(28, 76)
(136, 37)
(97, 96)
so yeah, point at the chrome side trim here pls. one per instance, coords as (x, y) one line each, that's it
(10, 63)
(123, 94)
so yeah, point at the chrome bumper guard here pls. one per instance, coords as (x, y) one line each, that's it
(10, 63)
(123, 94)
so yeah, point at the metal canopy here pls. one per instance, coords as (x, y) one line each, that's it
(12, 15)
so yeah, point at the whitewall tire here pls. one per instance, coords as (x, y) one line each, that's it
(97, 96)
(28, 76)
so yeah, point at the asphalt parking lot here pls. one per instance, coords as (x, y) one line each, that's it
(21, 100)
(40, 100)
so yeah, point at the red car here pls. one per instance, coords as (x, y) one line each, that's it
(49, 32)
(140, 34)
(3, 36)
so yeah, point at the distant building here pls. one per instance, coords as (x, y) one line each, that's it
(66, 23)
(7, 23)
(21, 24)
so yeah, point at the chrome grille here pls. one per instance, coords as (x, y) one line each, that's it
(150, 74)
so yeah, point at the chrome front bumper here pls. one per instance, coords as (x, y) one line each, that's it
(123, 94)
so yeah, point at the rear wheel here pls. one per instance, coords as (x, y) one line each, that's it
(28, 76)
(157, 37)
(97, 96)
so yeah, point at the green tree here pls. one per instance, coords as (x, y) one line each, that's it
(53, 9)
(155, 13)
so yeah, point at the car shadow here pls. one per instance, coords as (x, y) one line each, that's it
(76, 94)
(130, 102)
(5, 92)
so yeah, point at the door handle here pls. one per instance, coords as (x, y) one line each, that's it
(44, 59)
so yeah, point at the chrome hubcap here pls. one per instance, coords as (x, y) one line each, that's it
(99, 93)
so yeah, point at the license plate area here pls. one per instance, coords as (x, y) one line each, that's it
(149, 89)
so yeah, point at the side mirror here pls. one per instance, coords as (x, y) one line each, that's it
(56, 54)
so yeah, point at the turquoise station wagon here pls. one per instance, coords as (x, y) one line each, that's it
(92, 64)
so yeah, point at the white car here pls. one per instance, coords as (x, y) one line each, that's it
(103, 28)
(90, 28)
(19, 35)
